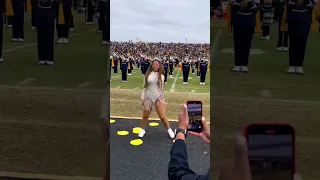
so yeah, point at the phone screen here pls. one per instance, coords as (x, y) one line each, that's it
(271, 152)
(195, 116)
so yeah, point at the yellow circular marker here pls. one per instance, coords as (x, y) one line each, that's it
(122, 133)
(136, 142)
(136, 130)
(112, 121)
(153, 124)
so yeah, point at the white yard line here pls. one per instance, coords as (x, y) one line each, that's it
(85, 84)
(173, 86)
(51, 89)
(118, 87)
(214, 45)
(33, 44)
(136, 88)
(25, 82)
(138, 101)
(45, 176)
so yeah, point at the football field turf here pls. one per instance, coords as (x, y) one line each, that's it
(50, 116)
(266, 94)
(125, 97)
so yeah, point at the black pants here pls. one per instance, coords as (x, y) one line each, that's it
(103, 26)
(129, 71)
(71, 21)
(18, 20)
(115, 69)
(63, 29)
(34, 5)
(170, 70)
(165, 75)
(9, 20)
(283, 35)
(203, 76)
(89, 12)
(265, 30)
(45, 32)
(124, 74)
(1, 33)
(298, 37)
(185, 75)
(242, 37)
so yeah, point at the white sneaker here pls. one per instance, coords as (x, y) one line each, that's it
(291, 70)
(9, 26)
(49, 63)
(265, 38)
(42, 62)
(125, 81)
(203, 83)
(32, 27)
(1, 60)
(89, 23)
(141, 133)
(65, 41)
(285, 49)
(171, 133)
(15, 39)
(20, 40)
(59, 41)
(299, 70)
(186, 83)
(279, 48)
(71, 29)
(236, 69)
(244, 69)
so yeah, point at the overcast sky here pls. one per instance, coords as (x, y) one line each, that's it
(160, 20)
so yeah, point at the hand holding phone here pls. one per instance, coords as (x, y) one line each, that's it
(271, 151)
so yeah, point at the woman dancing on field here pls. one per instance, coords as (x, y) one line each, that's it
(153, 96)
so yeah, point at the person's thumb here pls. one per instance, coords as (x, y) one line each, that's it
(185, 109)
(242, 167)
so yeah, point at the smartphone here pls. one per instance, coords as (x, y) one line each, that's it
(271, 150)
(195, 116)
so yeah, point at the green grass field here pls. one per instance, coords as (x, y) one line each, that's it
(50, 116)
(127, 95)
(266, 94)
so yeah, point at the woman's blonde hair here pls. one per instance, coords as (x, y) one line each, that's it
(150, 69)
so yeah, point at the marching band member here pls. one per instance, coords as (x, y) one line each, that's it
(64, 13)
(46, 13)
(171, 66)
(2, 10)
(124, 69)
(243, 19)
(298, 14)
(104, 18)
(18, 20)
(165, 67)
(267, 13)
(130, 66)
(89, 11)
(283, 36)
(185, 68)
(203, 71)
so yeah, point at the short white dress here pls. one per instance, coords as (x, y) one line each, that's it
(153, 92)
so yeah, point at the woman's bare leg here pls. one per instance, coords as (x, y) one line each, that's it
(145, 117)
(161, 110)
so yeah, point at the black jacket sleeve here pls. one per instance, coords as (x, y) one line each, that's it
(179, 166)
